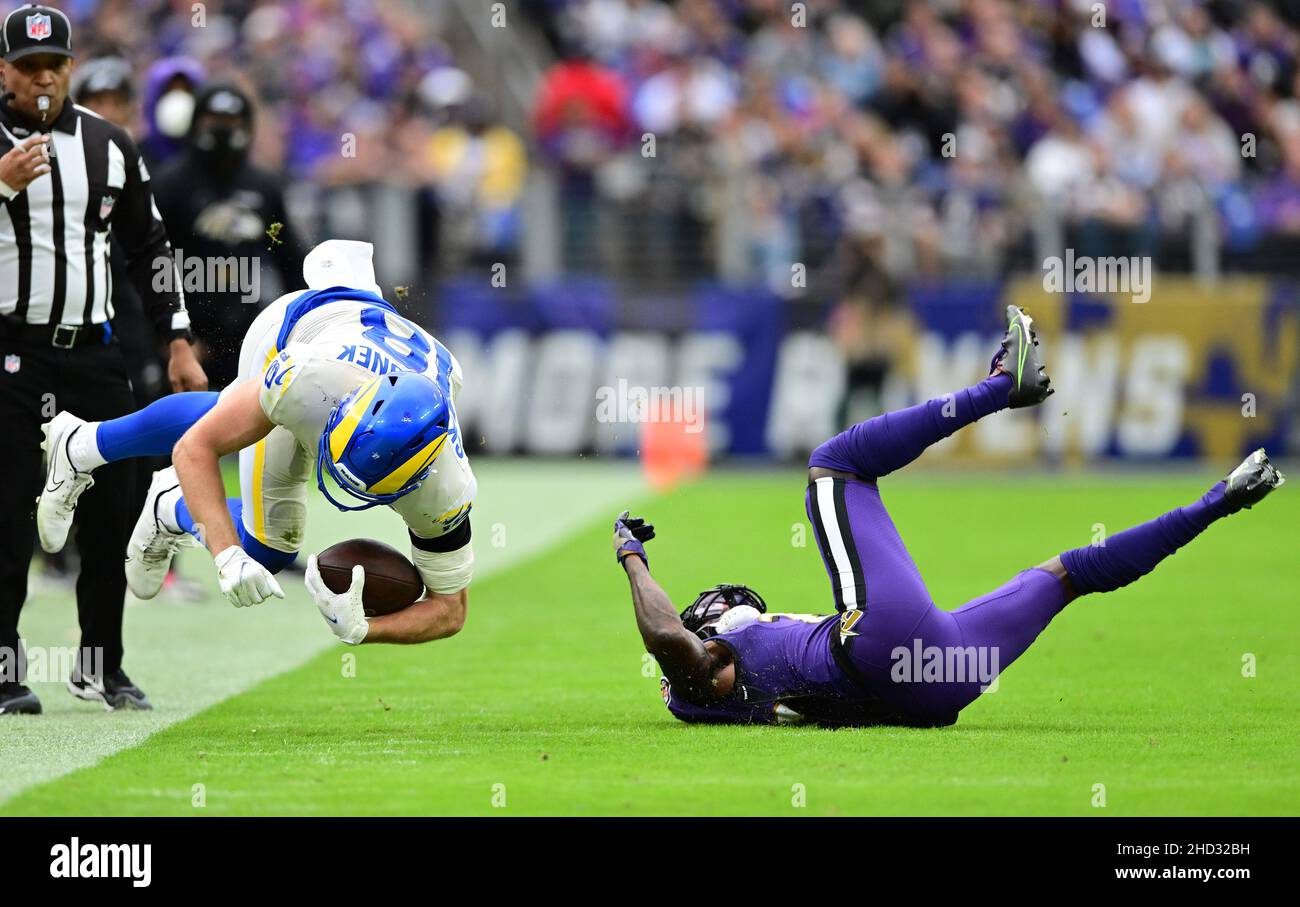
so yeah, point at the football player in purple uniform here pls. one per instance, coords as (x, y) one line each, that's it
(889, 656)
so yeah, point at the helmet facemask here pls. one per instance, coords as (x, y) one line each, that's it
(702, 615)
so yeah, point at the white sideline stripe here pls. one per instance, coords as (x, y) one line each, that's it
(189, 657)
(835, 541)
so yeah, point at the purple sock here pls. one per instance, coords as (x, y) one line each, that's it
(1134, 553)
(881, 445)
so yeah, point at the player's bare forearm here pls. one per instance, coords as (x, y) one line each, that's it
(680, 653)
(205, 495)
(234, 423)
(655, 616)
(434, 617)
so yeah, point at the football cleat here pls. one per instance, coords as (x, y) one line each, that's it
(152, 546)
(1252, 481)
(114, 689)
(63, 484)
(1018, 357)
(16, 699)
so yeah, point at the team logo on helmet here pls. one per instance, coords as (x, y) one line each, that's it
(39, 27)
(381, 440)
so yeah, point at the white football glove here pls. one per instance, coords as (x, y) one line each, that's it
(243, 580)
(342, 610)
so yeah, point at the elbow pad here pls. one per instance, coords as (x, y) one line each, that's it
(445, 571)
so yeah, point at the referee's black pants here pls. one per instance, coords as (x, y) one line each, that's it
(91, 382)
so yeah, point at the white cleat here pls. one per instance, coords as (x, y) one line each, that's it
(152, 546)
(63, 484)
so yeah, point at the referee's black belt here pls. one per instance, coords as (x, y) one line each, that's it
(60, 336)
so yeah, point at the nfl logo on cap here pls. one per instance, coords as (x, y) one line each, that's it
(12, 364)
(38, 27)
(35, 29)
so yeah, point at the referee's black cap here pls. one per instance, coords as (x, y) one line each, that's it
(35, 29)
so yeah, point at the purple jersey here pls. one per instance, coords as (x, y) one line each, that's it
(785, 670)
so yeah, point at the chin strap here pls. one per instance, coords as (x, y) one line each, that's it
(368, 501)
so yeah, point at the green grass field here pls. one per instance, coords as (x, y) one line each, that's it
(544, 705)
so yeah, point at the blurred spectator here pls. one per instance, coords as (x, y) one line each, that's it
(870, 325)
(106, 85)
(170, 86)
(1279, 199)
(220, 209)
(581, 121)
(1061, 166)
(853, 62)
(581, 110)
(478, 168)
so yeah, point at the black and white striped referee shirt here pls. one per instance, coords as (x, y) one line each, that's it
(54, 235)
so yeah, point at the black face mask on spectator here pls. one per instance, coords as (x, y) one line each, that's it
(222, 130)
(223, 147)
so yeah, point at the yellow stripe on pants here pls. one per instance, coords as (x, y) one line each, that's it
(259, 463)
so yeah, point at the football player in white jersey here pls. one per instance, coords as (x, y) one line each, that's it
(334, 382)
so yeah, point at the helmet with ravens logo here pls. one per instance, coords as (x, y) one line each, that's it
(702, 615)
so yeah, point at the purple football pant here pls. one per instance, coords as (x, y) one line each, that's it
(926, 662)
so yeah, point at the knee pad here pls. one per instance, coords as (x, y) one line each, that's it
(285, 522)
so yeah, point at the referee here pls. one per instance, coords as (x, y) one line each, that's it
(68, 178)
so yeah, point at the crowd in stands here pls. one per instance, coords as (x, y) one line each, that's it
(348, 92)
(931, 137)
(872, 140)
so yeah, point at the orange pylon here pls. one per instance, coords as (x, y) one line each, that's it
(672, 448)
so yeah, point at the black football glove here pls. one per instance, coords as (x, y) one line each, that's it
(630, 535)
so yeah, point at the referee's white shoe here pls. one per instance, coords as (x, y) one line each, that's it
(63, 483)
(152, 546)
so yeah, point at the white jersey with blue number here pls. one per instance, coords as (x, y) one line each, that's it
(333, 350)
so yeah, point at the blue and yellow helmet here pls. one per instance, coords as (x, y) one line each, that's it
(381, 440)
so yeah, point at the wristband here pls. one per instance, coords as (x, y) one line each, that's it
(632, 548)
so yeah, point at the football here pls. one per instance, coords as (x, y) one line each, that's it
(392, 582)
